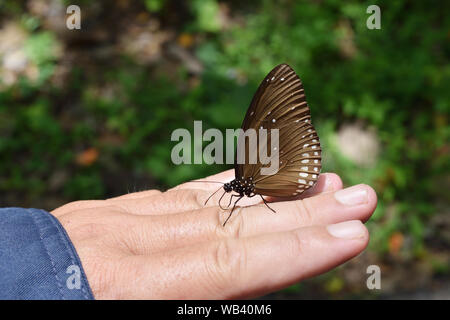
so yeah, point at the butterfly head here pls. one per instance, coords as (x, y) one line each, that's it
(227, 187)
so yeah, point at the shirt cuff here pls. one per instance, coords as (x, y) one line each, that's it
(37, 258)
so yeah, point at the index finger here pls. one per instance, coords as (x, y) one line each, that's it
(184, 198)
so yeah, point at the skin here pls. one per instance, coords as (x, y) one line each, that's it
(169, 245)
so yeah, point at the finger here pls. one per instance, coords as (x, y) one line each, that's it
(241, 268)
(190, 228)
(187, 199)
(151, 202)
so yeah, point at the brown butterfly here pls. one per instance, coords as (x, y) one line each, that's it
(279, 103)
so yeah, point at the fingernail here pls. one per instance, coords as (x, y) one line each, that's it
(352, 196)
(347, 230)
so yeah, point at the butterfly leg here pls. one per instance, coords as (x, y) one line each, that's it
(265, 202)
(211, 196)
(231, 198)
(221, 200)
(234, 206)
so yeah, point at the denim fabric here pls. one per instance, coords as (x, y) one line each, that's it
(37, 258)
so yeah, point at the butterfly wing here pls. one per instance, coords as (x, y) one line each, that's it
(280, 103)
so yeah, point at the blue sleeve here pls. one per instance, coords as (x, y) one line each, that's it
(37, 258)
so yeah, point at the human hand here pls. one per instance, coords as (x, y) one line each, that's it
(168, 245)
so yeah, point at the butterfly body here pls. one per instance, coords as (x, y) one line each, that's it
(244, 187)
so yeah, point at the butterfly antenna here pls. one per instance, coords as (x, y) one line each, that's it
(212, 195)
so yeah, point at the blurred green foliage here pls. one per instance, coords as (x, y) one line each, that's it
(395, 80)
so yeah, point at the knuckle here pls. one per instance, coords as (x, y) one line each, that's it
(178, 187)
(296, 242)
(191, 199)
(235, 225)
(111, 212)
(199, 198)
(228, 261)
(306, 215)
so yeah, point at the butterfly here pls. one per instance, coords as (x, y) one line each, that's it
(279, 103)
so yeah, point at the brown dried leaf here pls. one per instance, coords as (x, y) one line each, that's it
(87, 157)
